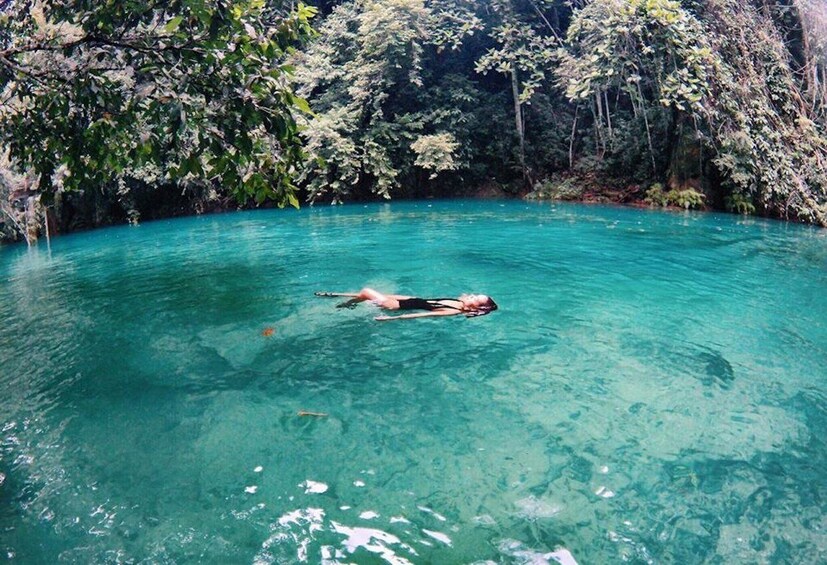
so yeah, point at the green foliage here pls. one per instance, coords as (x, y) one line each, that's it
(381, 119)
(435, 152)
(652, 59)
(368, 54)
(740, 204)
(556, 188)
(650, 50)
(769, 151)
(420, 97)
(656, 196)
(549, 120)
(687, 198)
(724, 68)
(452, 22)
(520, 47)
(193, 90)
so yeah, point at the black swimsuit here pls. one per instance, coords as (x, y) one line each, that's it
(426, 304)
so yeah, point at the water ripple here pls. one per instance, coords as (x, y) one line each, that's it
(650, 390)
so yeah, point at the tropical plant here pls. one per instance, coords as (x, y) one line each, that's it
(769, 150)
(650, 53)
(525, 50)
(187, 91)
(377, 119)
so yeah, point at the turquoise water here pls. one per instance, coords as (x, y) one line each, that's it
(652, 389)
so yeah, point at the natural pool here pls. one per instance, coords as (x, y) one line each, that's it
(652, 389)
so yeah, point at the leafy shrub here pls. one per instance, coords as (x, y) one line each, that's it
(740, 204)
(435, 152)
(687, 198)
(656, 196)
(556, 189)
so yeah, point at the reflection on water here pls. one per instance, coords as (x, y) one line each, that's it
(651, 390)
(308, 535)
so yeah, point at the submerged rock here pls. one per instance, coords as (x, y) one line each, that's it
(718, 369)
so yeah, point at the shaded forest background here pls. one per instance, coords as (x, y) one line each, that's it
(122, 111)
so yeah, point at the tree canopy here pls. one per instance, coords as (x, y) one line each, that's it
(712, 103)
(96, 94)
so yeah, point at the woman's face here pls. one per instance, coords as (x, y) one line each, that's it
(474, 300)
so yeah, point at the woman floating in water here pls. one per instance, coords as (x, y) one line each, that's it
(469, 305)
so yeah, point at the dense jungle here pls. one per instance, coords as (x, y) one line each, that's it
(124, 111)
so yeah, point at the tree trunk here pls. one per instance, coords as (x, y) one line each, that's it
(608, 116)
(648, 131)
(518, 120)
(31, 220)
(598, 120)
(571, 138)
(673, 134)
(808, 62)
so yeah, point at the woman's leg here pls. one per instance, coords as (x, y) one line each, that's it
(386, 301)
(382, 300)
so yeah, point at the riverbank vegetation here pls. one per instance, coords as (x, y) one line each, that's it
(122, 111)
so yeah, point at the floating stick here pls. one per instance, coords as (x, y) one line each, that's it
(317, 414)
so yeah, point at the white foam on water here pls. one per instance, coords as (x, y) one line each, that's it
(358, 483)
(312, 517)
(436, 515)
(526, 556)
(631, 547)
(562, 556)
(533, 508)
(439, 536)
(374, 541)
(301, 551)
(603, 492)
(331, 555)
(399, 519)
(313, 487)
(368, 515)
(307, 521)
(245, 514)
(484, 520)
(251, 489)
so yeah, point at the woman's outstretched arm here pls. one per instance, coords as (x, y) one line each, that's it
(430, 314)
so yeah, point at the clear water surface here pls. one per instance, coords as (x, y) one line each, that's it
(652, 390)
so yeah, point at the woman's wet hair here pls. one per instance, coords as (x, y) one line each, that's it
(483, 309)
